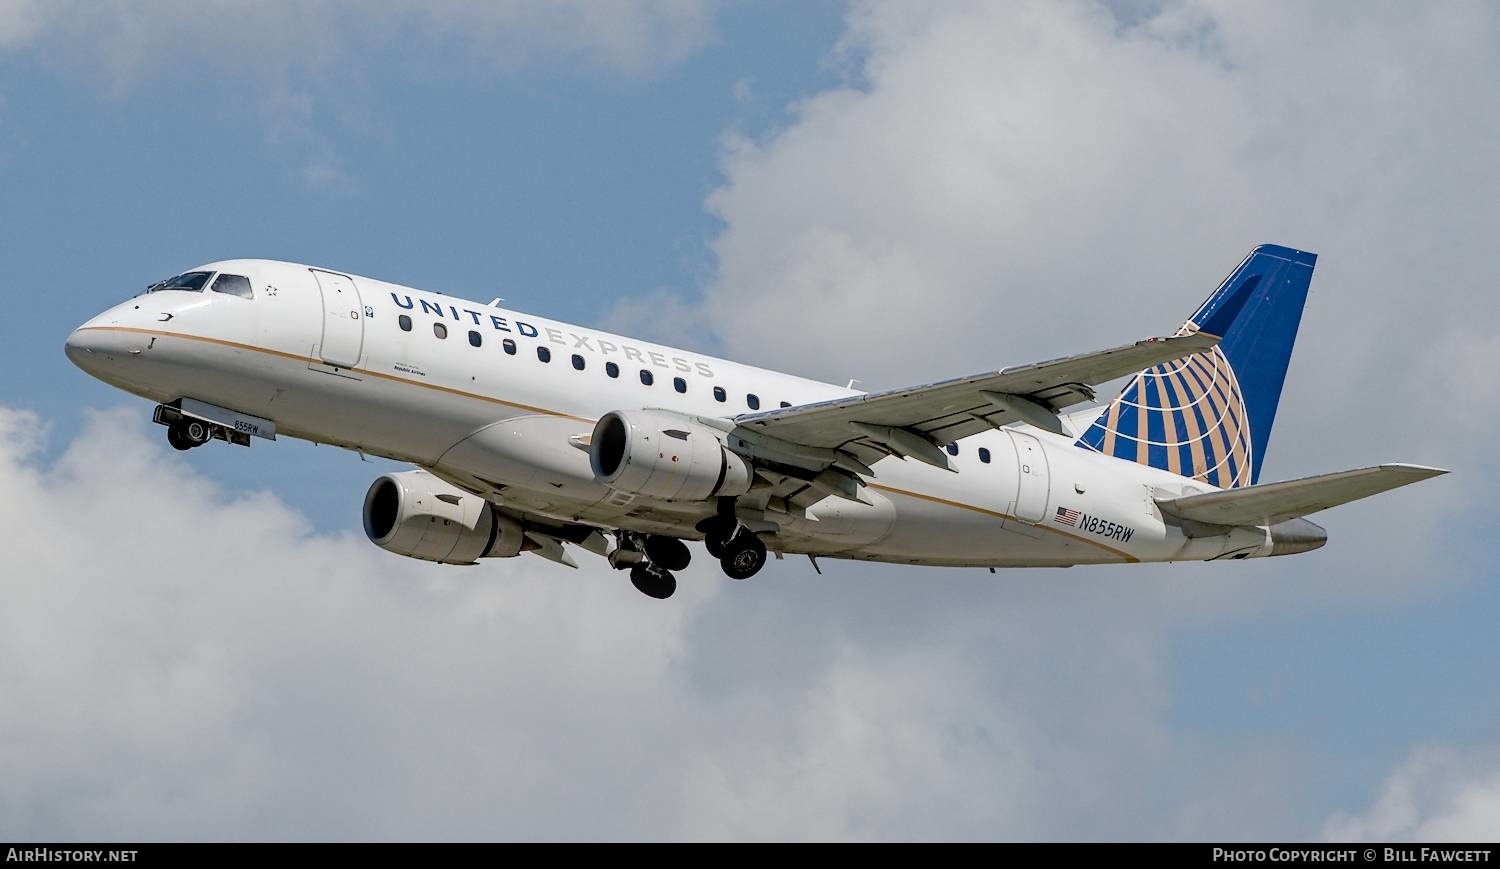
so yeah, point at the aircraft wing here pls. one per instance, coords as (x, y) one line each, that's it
(1269, 503)
(916, 420)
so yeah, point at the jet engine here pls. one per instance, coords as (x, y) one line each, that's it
(414, 513)
(663, 455)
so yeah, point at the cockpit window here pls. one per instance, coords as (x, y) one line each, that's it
(188, 281)
(234, 285)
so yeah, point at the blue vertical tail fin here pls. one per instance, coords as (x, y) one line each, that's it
(1209, 415)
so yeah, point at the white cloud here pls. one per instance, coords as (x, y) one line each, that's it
(1006, 182)
(182, 662)
(662, 315)
(1438, 794)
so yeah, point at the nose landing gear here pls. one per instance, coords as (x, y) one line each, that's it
(192, 423)
(185, 433)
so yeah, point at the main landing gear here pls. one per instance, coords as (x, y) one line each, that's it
(653, 581)
(740, 551)
(651, 558)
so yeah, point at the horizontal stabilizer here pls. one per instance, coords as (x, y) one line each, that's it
(1270, 503)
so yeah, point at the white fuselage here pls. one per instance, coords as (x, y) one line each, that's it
(328, 361)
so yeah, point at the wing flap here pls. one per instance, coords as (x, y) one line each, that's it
(1269, 503)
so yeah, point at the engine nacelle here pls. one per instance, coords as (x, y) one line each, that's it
(663, 455)
(416, 514)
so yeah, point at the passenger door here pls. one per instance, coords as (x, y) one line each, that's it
(343, 320)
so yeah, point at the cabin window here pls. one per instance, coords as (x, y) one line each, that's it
(405, 323)
(234, 285)
(647, 377)
(786, 404)
(510, 346)
(952, 449)
(577, 362)
(191, 282)
(440, 330)
(544, 354)
(753, 400)
(611, 369)
(679, 384)
(475, 339)
(984, 455)
(720, 394)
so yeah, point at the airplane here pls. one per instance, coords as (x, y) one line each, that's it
(532, 435)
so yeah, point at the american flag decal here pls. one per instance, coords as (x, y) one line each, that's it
(1066, 517)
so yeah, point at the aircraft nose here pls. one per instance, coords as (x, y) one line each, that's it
(90, 348)
(1297, 535)
(79, 347)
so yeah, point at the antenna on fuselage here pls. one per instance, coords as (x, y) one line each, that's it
(495, 302)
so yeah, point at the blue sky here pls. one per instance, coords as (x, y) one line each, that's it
(562, 187)
(887, 191)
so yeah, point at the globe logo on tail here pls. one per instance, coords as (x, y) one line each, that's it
(1187, 417)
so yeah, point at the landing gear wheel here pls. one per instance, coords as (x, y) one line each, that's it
(716, 532)
(743, 556)
(652, 581)
(185, 434)
(668, 552)
(197, 431)
(177, 437)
